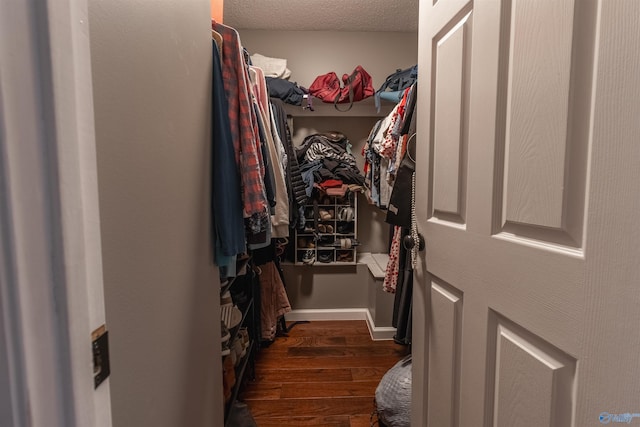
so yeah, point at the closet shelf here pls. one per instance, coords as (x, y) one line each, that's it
(332, 241)
(364, 108)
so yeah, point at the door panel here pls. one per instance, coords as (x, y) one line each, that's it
(539, 38)
(452, 61)
(446, 334)
(529, 373)
(542, 121)
(521, 257)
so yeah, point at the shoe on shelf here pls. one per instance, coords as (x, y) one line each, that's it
(239, 349)
(304, 242)
(345, 228)
(345, 256)
(228, 377)
(325, 215)
(231, 315)
(346, 213)
(225, 299)
(326, 256)
(309, 257)
(244, 334)
(325, 241)
(226, 350)
(224, 332)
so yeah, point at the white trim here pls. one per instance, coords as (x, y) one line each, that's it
(379, 333)
(327, 314)
(78, 192)
(37, 348)
(376, 333)
(376, 262)
(50, 254)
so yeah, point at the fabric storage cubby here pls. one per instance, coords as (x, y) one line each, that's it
(329, 235)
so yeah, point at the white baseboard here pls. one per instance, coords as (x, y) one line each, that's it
(377, 333)
(381, 332)
(327, 314)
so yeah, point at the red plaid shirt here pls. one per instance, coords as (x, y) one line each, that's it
(244, 129)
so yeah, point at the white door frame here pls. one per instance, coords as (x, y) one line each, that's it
(51, 294)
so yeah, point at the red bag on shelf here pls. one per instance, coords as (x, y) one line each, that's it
(326, 87)
(357, 86)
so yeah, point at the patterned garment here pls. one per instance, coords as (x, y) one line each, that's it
(393, 266)
(319, 151)
(243, 128)
(388, 142)
(389, 146)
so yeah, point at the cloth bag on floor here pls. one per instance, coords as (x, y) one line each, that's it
(393, 395)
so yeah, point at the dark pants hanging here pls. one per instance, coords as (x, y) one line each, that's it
(402, 306)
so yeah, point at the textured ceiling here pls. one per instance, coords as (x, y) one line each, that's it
(334, 15)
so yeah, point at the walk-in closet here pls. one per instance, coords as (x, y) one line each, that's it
(120, 308)
(333, 261)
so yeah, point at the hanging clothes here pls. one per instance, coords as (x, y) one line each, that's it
(380, 188)
(274, 302)
(295, 184)
(273, 299)
(401, 213)
(244, 130)
(226, 203)
(280, 204)
(399, 210)
(403, 301)
(384, 151)
(257, 159)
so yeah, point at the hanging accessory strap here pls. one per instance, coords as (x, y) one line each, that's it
(348, 83)
(415, 236)
(414, 224)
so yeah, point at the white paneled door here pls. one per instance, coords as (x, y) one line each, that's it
(528, 292)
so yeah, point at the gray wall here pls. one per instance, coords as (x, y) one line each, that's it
(152, 76)
(311, 53)
(326, 287)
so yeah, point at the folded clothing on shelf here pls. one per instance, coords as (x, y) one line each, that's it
(338, 191)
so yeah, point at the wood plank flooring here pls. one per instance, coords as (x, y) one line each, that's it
(324, 373)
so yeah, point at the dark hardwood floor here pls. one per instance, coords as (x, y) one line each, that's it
(321, 374)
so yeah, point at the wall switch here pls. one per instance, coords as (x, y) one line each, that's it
(100, 347)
